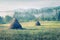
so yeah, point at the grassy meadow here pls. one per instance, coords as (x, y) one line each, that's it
(49, 30)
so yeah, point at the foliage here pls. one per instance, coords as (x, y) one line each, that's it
(8, 19)
(59, 16)
(1, 20)
(46, 14)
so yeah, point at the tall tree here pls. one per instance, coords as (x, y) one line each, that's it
(1, 20)
(8, 19)
(59, 16)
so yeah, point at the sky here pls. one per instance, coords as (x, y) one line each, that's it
(6, 5)
(15, 4)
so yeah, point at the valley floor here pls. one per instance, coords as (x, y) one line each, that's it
(49, 30)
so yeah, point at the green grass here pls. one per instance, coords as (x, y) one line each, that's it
(49, 30)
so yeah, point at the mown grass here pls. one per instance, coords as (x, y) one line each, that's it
(49, 30)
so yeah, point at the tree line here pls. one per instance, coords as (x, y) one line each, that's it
(46, 14)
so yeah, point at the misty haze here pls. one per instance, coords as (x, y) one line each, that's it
(29, 19)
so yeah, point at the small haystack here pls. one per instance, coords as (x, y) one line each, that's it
(15, 24)
(38, 23)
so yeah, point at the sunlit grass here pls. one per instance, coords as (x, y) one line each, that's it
(32, 25)
(49, 30)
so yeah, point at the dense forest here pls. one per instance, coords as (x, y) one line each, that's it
(43, 14)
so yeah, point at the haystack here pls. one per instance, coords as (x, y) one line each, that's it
(15, 24)
(38, 23)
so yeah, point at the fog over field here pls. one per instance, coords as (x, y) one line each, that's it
(29, 19)
(29, 7)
